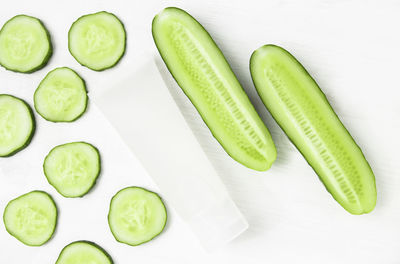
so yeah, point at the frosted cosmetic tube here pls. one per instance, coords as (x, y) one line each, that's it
(142, 110)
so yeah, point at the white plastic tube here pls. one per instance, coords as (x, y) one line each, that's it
(144, 113)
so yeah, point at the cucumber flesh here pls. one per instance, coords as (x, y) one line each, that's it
(25, 44)
(201, 70)
(31, 218)
(136, 216)
(83, 252)
(17, 125)
(61, 96)
(97, 40)
(303, 112)
(72, 168)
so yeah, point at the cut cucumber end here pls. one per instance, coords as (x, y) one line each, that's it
(72, 168)
(17, 125)
(301, 109)
(61, 96)
(365, 205)
(97, 40)
(25, 44)
(136, 216)
(201, 70)
(31, 218)
(83, 252)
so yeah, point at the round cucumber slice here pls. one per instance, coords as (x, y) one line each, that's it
(83, 252)
(31, 218)
(25, 44)
(72, 168)
(61, 96)
(17, 125)
(97, 40)
(136, 216)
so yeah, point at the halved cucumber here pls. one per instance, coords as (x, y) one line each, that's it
(97, 40)
(201, 70)
(302, 110)
(25, 44)
(83, 252)
(136, 216)
(61, 96)
(17, 125)
(72, 168)
(31, 218)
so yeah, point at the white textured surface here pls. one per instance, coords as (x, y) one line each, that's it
(352, 50)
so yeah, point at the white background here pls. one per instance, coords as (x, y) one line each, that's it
(351, 48)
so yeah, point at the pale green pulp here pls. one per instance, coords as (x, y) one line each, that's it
(24, 44)
(31, 218)
(72, 168)
(61, 96)
(203, 73)
(17, 125)
(136, 216)
(97, 40)
(303, 112)
(83, 252)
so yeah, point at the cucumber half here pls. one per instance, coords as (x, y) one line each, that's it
(72, 168)
(303, 112)
(31, 218)
(25, 44)
(83, 252)
(97, 40)
(201, 70)
(61, 96)
(136, 216)
(17, 125)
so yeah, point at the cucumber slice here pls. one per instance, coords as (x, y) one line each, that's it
(201, 70)
(31, 218)
(136, 216)
(83, 252)
(17, 125)
(72, 168)
(97, 40)
(61, 96)
(303, 112)
(25, 44)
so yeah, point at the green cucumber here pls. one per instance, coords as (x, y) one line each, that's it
(136, 216)
(97, 40)
(72, 168)
(61, 96)
(83, 252)
(17, 125)
(201, 70)
(301, 109)
(31, 218)
(25, 44)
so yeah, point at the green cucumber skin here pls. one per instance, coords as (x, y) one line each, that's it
(28, 141)
(49, 54)
(86, 103)
(372, 198)
(94, 181)
(119, 59)
(108, 216)
(55, 205)
(88, 242)
(273, 155)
